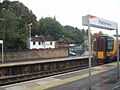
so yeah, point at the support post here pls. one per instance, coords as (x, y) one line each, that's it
(117, 48)
(89, 40)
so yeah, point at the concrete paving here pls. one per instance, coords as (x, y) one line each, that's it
(103, 78)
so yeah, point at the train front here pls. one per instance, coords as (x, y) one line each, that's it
(104, 49)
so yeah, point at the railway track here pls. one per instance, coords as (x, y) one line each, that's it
(23, 71)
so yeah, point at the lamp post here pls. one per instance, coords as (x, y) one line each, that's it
(29, 34)
(30, 26)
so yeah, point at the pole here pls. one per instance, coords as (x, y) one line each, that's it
(2, 54)
(29, 35)
(30, 30)
(117, 47)
(89, 40)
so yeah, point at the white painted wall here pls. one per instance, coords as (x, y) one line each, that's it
(42, 45)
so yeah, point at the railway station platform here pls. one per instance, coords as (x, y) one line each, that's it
(104, 77)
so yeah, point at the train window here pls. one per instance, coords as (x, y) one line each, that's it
(103, 44)
(110, 43)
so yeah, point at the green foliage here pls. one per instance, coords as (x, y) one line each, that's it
(75, 35)
(49, 26)
(13, 29)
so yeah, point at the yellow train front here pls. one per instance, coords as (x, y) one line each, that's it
(104, 49)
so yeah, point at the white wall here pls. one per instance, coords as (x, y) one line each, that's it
(43, 45)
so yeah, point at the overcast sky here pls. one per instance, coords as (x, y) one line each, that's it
(70, 12)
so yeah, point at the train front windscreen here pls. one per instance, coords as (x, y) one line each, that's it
(109, 44)
(104, 44)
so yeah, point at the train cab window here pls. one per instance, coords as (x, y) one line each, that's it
(110, 43)
(103, 44)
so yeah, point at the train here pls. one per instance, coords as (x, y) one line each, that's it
(104, 49)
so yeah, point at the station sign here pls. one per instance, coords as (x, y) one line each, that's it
(1, 41)
(94, 21)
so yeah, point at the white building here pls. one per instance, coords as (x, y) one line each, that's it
(40, 42)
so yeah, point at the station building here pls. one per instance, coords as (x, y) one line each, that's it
(41, 42)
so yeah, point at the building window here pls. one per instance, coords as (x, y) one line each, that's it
(33, 42)
(39, 43)
(42, 42)
(50, 43)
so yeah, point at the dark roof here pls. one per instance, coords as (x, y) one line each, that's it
(42, 38)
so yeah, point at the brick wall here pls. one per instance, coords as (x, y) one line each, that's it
(36, 54)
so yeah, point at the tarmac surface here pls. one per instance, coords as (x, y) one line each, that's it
(104, 77)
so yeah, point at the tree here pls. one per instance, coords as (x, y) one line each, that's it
(74, 34)
(49, 26)
(13, 29)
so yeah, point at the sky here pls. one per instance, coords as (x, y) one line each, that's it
(70, 12)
